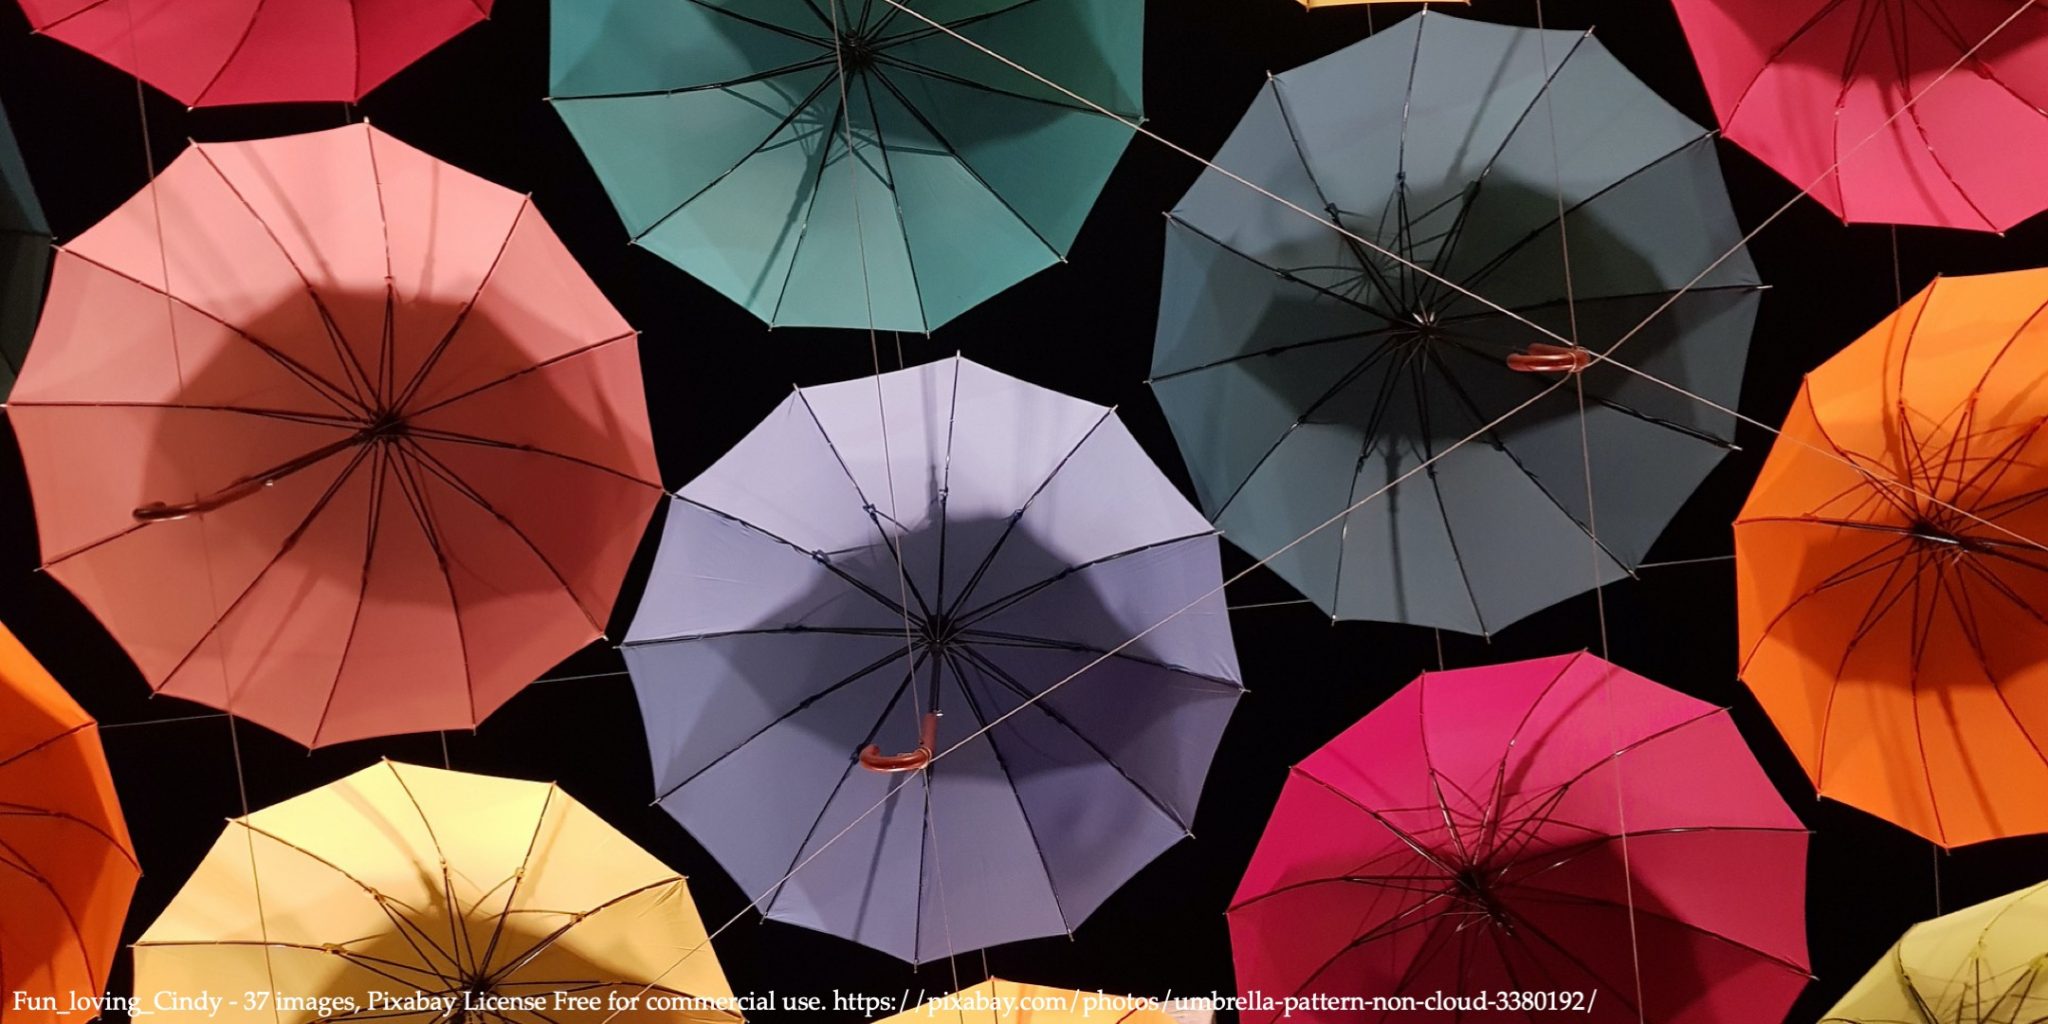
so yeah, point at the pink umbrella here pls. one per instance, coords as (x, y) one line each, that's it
(1557, 826)
(1807, 84)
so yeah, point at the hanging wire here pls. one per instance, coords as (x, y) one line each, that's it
(1483, 430)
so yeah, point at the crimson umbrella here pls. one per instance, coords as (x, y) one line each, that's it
(1558, 826)
(334, 436)
(216, 53)
(1936, 110)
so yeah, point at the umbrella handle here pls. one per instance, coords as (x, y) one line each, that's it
(1544, 357)
(927, 746)
(162, 511)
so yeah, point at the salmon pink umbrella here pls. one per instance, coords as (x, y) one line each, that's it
(1807, 84)
(216, 53)
(334, 436)
(1558, 826)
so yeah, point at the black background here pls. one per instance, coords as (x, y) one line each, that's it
(713, 371)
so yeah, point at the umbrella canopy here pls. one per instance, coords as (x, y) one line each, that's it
(427, 885)
(1890, 570)
(67, 867)
(723, 132)
(1303, 372)
(940, 541)
(24, 257)
(1979, 965)
(217, 53)
(1803, 85)
(996, 1001)
(1558, 825)
(335, 437)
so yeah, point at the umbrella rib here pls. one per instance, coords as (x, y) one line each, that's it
(756, 150)
(255, 15)
(457, 933)
(320, 385)
(373, 965)
(831, 137)
(797, 859)
(1274, 351)
(917, 34)
(311, 419)
(1282, 273)
(889, 172)
(1004, 602)
(20, 863)
(379, 465)
(1541, 893)
(1408, 840)
(1421, 387)
(413, 935)
(344, 352)
(1773, 57)
(981, 721)
(987, 638)
(1369, 438)
(1574, 959)
(44, 744)
(768, 26)
(946, 483)
(801, 706)
(549, 940)
(437, 468)
(1959, 601)
(419, 433)
(958, 158)
(820, 557)
(996, 672)
(794, 628)
(893, 544)
(1900, 57)
(758, 76)
(1348, 378)
(291, 541)
(1552, 793)
(988, 559)
(1477, 277)
(433, 357)
(1358, 254)
(414, 491)
(924, 71)
(537, 367)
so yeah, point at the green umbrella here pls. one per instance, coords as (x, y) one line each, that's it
(722, 128)
(24, 257)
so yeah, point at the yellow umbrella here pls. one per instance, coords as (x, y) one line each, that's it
(413, 894)
(996, 1001)
(1979, 965)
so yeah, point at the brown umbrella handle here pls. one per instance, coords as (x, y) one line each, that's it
(927, 744)
(160, 511)
(1544, 357)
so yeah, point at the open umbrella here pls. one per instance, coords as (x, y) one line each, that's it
(942, 541)
(453, 897)
(67, 867)
(1979, 965)
(1890, 569)
(722, 131)
(216, 53)
(1808, 85)
(996, 1001)
(24, 257)
(1560, 828)
(1303, 372)
(335, 437)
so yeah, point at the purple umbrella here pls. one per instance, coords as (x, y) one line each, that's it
(879, 562)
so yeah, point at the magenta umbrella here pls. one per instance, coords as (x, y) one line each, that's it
(1557, 826)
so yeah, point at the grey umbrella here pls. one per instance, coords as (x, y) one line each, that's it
(1303, 371)
(24, 257)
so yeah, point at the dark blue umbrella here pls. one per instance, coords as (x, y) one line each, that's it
(928, 562)
(24, 257)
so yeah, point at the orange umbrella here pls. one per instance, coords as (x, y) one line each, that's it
(66, 865)
(1893, 587)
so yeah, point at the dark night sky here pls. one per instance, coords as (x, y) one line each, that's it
(713, 371)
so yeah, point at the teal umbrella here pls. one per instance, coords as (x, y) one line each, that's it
(722, 130)
(24, 257)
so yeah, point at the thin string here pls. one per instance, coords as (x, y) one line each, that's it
(1421, 466)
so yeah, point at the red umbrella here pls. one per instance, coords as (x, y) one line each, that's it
(1803, 83)
(1554, 826)
(217, 53)
(335, 436)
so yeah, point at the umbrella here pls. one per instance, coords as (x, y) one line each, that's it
(996, 1001)
(217, 53)
(1303, 372)
(449, 895)
(67, 867)
(722, 131)
(1313, 4)
(24, 257)
(1867, 85)
(349, 447)
(1979, 965)
(1559, 826)
(941, 541)
(1889, 567)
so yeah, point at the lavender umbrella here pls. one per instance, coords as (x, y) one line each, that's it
(941, 541)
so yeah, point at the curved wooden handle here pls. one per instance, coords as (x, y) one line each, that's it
(1544, 357)
(927, 745)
